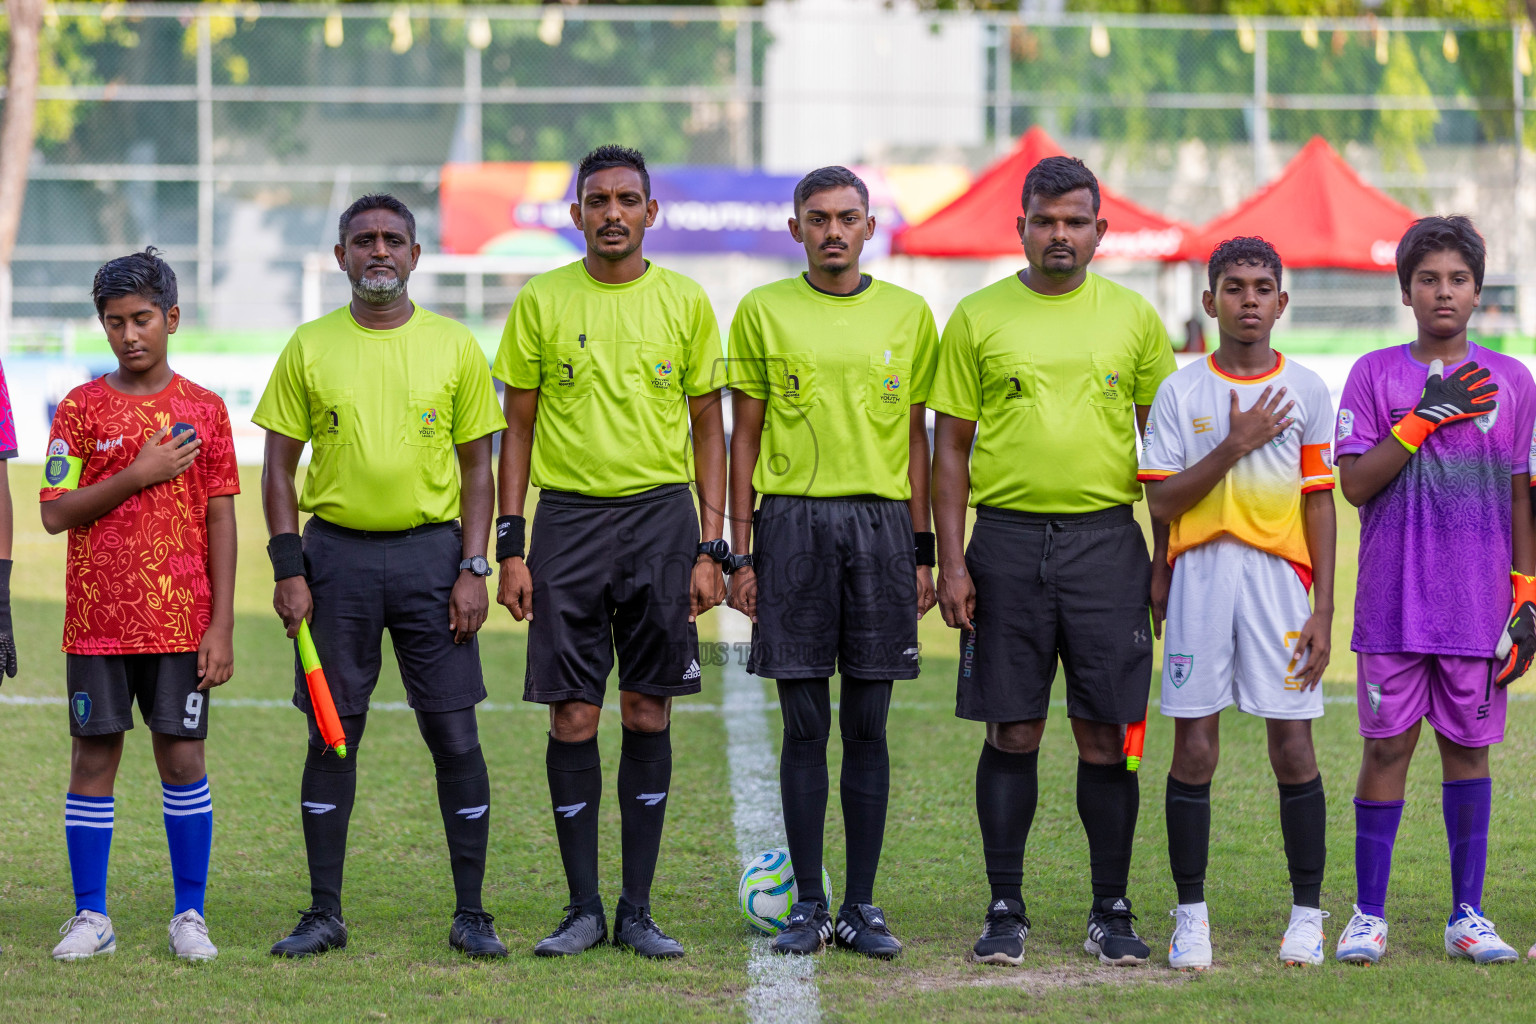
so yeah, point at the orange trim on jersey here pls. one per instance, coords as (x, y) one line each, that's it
(1153, 475)
(1259, 379)
(1321, 485)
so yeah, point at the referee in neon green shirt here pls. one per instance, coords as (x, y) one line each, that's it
(398, 407)
(615, 358)
(1051, 372)
(830, 370)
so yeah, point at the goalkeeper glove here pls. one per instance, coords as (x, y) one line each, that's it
(1469, 392)
(7, 637)
(1518, 644)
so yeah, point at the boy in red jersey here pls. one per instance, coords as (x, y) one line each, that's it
(141, 472)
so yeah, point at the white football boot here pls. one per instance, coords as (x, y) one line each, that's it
(1363, 940)
(1473, 938)
(1190, 947)
(87, 934)
(189, 937)
(1303, 942)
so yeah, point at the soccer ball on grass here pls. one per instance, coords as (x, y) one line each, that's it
(768, 890)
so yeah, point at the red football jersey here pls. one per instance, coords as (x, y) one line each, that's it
(136, 580)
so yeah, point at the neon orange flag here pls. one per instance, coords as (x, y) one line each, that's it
(1135, 740)
(320, 693)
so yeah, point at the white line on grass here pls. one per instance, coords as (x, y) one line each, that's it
(783, 988)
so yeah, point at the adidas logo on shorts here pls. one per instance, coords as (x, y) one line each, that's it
(693, 670)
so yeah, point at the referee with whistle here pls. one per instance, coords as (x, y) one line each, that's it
(398, 408)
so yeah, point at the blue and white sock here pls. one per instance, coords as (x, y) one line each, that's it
(189, 833)
(88, 835)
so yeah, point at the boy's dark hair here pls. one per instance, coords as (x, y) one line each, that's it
(141, 273)
(1055, 176)
(604, 157)
(377, 201)
(1441, 234)
(824, 179)
(1249, 250)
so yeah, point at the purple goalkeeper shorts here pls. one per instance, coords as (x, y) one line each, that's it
(1457, 694)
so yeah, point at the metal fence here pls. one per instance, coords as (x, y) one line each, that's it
(232, 135)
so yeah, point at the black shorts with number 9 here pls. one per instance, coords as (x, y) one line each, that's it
(103, 687)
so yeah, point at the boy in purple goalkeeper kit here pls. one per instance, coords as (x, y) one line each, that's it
(1433, 446)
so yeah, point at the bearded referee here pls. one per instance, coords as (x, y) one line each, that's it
(398, 407)
(1052, 373)
(829, 372)
(614, 358)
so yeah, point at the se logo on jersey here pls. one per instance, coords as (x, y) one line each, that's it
(1347, 425)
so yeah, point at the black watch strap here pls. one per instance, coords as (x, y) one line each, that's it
(735, 563)
(718, 549)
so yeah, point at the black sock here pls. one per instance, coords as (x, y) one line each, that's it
(1188, 810)
(866, 791)
(645, 774)
(865, 786)
(803, 787)
(327, 793)
(464, 797)
(575, 789)
(1007, 790)
(1304, 824)
(1108, 797)
(806, 707)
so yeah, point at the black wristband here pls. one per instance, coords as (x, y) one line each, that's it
(287, 553)
(927, 548)
(510, 536)
(5, 578)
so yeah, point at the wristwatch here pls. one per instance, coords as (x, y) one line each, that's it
(718, 549)
(477, 565)
(735, 563)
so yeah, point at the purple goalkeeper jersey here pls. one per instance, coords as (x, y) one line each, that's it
(1434, 543)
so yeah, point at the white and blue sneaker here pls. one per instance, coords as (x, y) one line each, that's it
(87, 934)
(1472, 936)
(1190, 947)
(1364, 939)
(1303, 942)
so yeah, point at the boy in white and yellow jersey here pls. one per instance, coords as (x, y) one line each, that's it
(1238, 476)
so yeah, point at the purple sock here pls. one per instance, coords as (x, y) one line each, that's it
(1376, 824)
(1467, 804)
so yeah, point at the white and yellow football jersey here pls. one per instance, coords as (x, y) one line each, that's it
(1259, 501)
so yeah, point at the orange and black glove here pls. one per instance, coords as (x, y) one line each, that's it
(1469, 392)
(1518, 644)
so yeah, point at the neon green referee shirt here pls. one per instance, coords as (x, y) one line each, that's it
(840, 374)
(1052, 382)
(382, 411)
(614, 365)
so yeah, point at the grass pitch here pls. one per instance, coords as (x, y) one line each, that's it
(398, 898)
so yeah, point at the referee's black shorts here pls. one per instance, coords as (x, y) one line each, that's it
(366, 582)
(612, 575)
(836, 588)
(1076, 587)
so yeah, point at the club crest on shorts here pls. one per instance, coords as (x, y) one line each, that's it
(1373, 697)
(80, 707)
(1180, 666)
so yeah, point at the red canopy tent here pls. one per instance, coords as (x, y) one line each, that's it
(1317, 213)
(980, 224)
